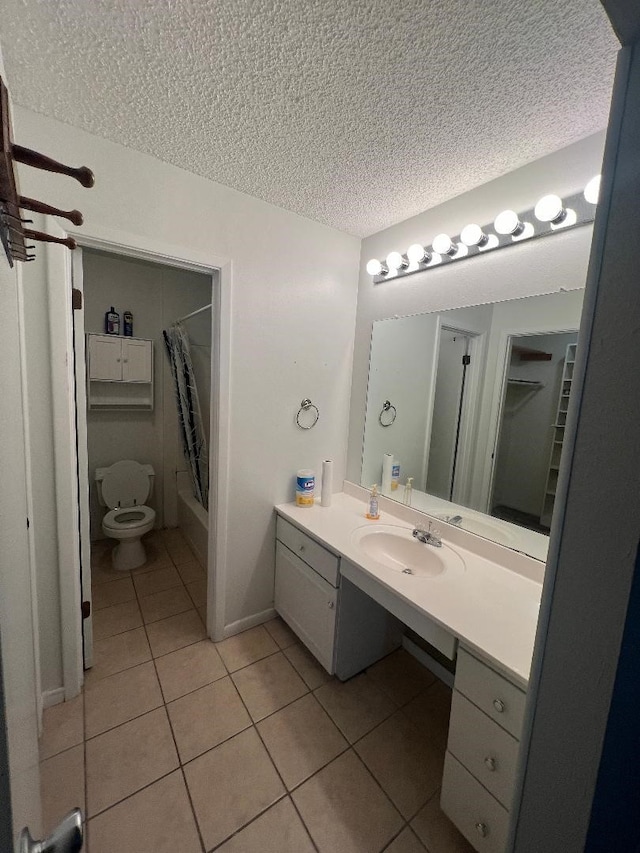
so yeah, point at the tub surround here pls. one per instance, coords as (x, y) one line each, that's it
(492, 607)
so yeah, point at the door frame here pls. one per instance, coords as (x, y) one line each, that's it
(497, 403)
(74, 460)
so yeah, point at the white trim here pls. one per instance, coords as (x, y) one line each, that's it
(49, 698)
(29, 495)
(249, 622)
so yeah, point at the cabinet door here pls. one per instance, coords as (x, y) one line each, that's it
(307, 603)
(105, 358)
(136, 360)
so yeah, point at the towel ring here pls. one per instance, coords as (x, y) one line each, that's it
(305, 405)
(387, 407)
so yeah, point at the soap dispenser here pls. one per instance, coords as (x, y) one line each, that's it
(373, 512)
(408, 489)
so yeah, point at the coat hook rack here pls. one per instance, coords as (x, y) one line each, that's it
(13, 234)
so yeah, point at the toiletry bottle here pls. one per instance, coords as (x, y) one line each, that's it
(373, 512)
(127, 320)
(112, 322)
(408, 489)
(395, 475)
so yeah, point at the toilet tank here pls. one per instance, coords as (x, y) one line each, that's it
(99, 477)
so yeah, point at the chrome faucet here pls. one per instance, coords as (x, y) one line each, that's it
(428, 536)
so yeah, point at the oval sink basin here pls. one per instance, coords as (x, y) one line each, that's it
(395, 548)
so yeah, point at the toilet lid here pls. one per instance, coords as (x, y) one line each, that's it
(125, 484)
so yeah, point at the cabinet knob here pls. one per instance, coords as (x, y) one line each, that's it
(331, 605)
(490, 763)
(482, 829)
(498, 704)
(126, 360)
(300, 547)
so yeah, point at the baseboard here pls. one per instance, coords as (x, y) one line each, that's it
(52, 697)
(249, 622)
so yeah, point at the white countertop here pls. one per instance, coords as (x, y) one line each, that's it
(490, 607)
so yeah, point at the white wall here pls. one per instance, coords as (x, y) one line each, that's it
(534, 267)
(156, 295)
(294, 301)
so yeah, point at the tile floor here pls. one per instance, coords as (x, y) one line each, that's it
(181, 745)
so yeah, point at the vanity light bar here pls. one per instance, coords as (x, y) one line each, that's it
(550, 214)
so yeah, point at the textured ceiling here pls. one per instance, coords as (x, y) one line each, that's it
(356, 113)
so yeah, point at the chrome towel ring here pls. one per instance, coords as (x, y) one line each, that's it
(387, 407)
(305, 406)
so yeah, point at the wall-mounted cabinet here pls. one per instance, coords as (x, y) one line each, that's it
(119, 372)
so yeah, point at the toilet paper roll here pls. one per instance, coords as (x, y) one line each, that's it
(327, 483)
(387, 466)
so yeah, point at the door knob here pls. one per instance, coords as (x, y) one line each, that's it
(65, 838)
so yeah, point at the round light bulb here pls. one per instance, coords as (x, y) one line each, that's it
(444, 245)
(592, 190)
(550, 209)
(508, 222)
(374, 267)
(417, 254)
(473, 235)
(395, 261)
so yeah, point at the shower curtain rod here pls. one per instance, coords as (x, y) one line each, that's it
(193, 313)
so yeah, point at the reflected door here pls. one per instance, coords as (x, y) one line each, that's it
(448, 406)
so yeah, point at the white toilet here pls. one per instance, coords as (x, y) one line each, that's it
(124, 487)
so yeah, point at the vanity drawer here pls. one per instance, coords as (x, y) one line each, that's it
(314, 554)
(487, 751)
(498, 698)
(478, 815)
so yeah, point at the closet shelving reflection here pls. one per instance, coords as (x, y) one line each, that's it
(558, 436)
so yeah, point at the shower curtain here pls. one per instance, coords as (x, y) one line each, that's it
(193, 439)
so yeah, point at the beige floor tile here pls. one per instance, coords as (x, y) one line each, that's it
(160, 605)
(187, 669)
(401, 676)
(268, 685)
(115, 620)
(105, 574)
(173, 633)
(301, 739)
(246, 648)
(108, 594)
(312, 673)
(62, 727)
(251, 785)
(112, 701)
(158, 819)
(202, 613)
(198, 591)
(407, 762)
(355, 706)
(173, 536)
(436, 831)
(207, 717)
(430, 710)
(124, 760)
(101, 553)
(345, 810)
(62, 786)
(180, 552)
(278, 830)
(191, 572)
(149, 583)
(281, 633)
(406, 842)
(115, 654)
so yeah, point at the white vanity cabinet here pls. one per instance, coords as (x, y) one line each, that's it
(482, 752)
(342, 627)
(119, 372)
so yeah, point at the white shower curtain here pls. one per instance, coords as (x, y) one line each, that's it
(189, 416)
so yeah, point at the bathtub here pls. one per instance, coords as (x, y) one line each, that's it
(193, 519)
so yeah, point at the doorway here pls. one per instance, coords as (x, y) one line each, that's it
(165, 291)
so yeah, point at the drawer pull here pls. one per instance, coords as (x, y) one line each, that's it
(490, 763)
(482, 829)
(301, 548)
(331, 605)
(499, 705)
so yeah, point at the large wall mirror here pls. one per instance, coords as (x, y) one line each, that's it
(472, 404)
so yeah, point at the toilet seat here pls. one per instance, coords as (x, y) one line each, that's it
(128, 518)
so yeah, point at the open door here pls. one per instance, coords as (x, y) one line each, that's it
(82, 455)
